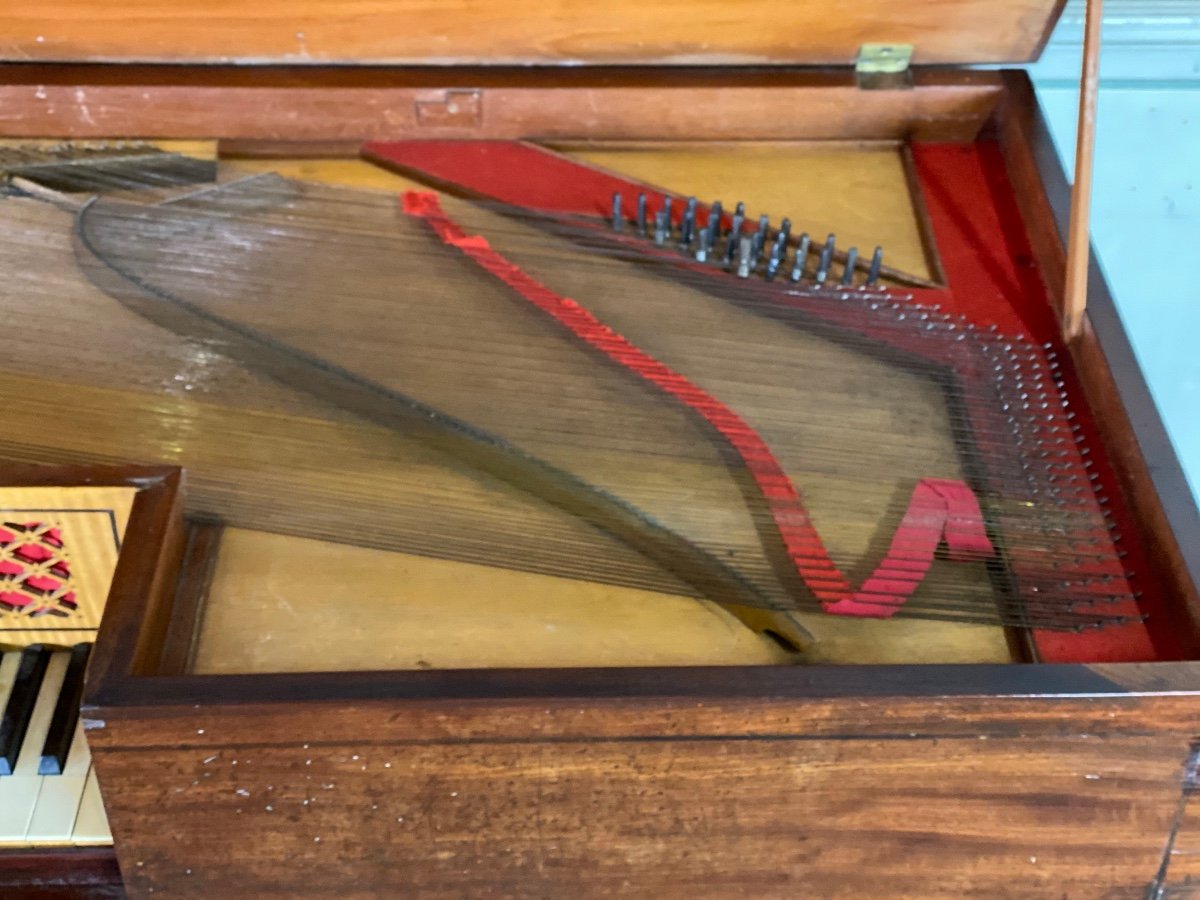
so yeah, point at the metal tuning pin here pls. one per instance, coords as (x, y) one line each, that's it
(778, 253)
(660, 227)
(745, 257)
(714, 224)
(702, 245)
(688, 226)
(618, 223)
(735, 234)
(825, 261)
(876, 265)
(760, 236)
(801, 257)
(785, 228)
(851, 262)
(666, 208)
(641, 213)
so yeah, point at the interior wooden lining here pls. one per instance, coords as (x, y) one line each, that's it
(319, 104)
(280, 604)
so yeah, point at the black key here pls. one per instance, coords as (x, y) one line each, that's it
(66, 714)
(22, 700)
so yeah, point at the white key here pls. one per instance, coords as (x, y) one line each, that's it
(19, 791)
(91, 826)
(57, 804)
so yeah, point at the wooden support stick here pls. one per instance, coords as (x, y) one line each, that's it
(1078, 238)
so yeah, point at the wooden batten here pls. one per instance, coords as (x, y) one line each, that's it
(305, 105)
(523, 32)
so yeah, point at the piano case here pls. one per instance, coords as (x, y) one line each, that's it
(1054, 763)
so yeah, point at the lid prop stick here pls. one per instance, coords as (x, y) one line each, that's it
(1078, 238)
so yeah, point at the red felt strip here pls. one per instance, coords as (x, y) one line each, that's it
(939, 509)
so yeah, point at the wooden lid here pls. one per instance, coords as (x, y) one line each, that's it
(497, 32)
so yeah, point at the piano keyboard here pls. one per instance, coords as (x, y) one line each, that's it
(48, 791)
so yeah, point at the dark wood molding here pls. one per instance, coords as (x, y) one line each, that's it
(196, 571)
(60, 873)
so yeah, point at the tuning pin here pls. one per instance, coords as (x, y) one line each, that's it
(666, 208)
(735, 236)
(618, 223)
(876, 265)
(714, 224)
(785, 228)
(689, 223)
(778, 253)
(714, 218)
(641, 214)
(824, 262)
(703, 242)
(740, 210)
(760, 236)
(851, 262)
(801, 257)
(660, 227)
(831, 244)
(745, 257)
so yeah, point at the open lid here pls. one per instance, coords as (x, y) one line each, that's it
(522, 32)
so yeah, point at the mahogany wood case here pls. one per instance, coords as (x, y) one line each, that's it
(1021, 780)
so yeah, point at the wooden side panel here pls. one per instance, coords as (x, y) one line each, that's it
(1016, 798)
(459, 32)
(355, 105)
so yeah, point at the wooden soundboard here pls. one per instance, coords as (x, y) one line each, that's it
(473, 730)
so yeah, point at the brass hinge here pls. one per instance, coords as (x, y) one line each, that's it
(880, 66)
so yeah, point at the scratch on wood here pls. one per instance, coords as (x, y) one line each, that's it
(1190, 784)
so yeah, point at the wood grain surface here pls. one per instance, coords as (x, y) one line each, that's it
(461, 32)
(371, 104)
(969, 798)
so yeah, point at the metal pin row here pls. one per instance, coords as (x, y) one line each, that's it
(764, 251)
